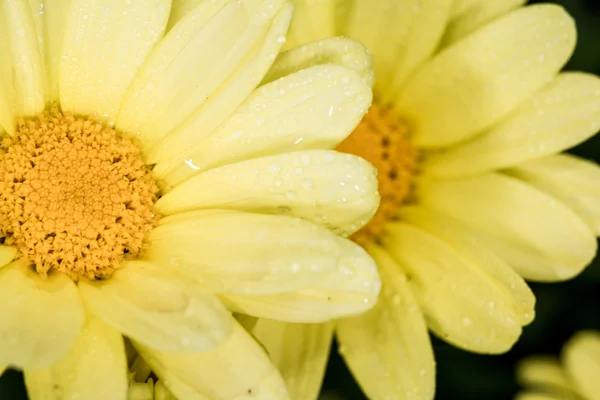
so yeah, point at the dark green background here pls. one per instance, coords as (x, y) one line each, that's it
(562, 309)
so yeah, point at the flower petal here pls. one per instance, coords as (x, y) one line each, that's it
(543, 396)
(543, 371)
(243, 253)
(581, 356)
(538, 236)
(462, 304)
(558, 117)
(470, 15)
(299, 351)
(41, 318)
(401, 35)
(334, 50)
(156, 307)
(7, 254)
(572, 180)
(388, 348)
(313, 20)
(105, 43)
(236, 370)
(479, 80)
(314, 108)
(351, 289)
(181, 8)
(94, 369)
(336, 190)
(192, 82)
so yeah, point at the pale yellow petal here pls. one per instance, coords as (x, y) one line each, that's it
(336, 190)
(581, 356)
(194, 81)
(181, 8)
(352, 289)
(244, 253)
(479, 80)
(313, 20)
(315, 108)
(388, 348)
(49, 17)
(488, 264)
(542, 239)
(41, 318)
(94, 369)
(572, 180)
(7, 254)
(105, 43)
(299, 351)
(470, 15)
(336, 50)
(3, 368)
(542, 371)
(543, 396)
(462, 305)
(560, 116)
(401, 35)
(154, 306)
(236, 370)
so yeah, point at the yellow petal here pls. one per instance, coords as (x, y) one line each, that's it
(41, 318)
(7, 254)
(22, 74)
(156, 307)
(94, 369)
(244, 253)
(543, 371)
(352, 289)
(560, 116)
(479, 80)
(543, 396)
(181, 8)
(462, 304)
(49, 17)
(313, 20)
(299, 351)
(336, 190)
(315, 108)
(388, 348)
(534, 233)
(470, 15)
(401, 35)
(105, 43)
(2, 368)
(581, 356)
(193, 79)
(572, 180)
(337, 50)
(506, 280)
(236, 370)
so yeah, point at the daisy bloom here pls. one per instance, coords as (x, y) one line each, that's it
(572, 377)
(156, 161)
(469, 118)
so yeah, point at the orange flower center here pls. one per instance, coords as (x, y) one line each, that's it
(384, 140)
(75, 196)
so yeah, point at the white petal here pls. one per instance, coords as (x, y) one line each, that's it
(156, 307)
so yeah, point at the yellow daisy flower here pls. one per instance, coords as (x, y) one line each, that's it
(155, 163)
(573, 377)
(469, 118)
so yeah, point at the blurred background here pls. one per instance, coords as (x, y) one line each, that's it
(562, 309)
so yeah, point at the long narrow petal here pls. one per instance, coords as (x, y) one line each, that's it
(105, 43)
(336, 190)
(181, 8)
(7, 254)
(560, 116)
(243, 253)
(156, 307)
(192, 76)
(41, 318)
(351, 289)
(313, 20)
(543, 371)
(315, 108)
(544, 396)
(236, 370)
(572, 180)
(462, 304)
(479, 80)
(581, 356)
(534, 233)
(94, 369)
(300, 353)
(388, 348)
(401, 35)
